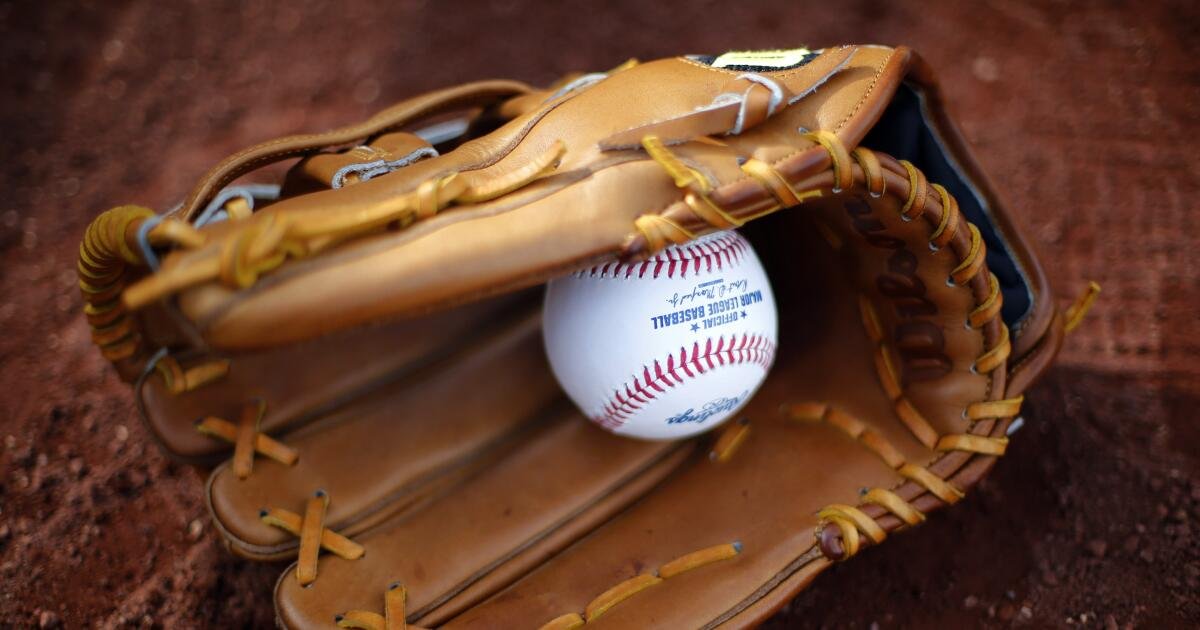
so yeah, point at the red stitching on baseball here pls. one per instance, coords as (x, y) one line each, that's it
(720, 251)
(656, 379)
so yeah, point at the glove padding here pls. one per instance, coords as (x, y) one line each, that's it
(366, 342)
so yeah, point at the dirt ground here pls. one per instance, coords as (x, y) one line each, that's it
(1084, 114)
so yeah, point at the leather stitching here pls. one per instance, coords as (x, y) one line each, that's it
(867, 93)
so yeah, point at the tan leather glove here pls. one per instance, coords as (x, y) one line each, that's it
(365, 341)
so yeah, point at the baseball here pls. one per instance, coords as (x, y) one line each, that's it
(667, 347)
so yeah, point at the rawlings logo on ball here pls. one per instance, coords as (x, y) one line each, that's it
(710, 409)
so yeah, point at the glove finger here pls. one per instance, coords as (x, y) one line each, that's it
(389, 453)
(565, 480)
(336, 368)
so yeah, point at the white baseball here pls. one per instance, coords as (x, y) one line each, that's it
(668, 347)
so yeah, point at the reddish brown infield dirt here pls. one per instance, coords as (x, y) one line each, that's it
(1085, 116)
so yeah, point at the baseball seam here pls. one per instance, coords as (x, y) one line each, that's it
(660, 375)
(712, 254)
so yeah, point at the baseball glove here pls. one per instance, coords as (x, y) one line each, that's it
(361, 343)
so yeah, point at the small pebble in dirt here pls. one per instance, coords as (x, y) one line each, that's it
(47, 619)
(195, 529)
(1026, 613)
(970, 602)
(122, 433)
(1110, 623)
(10, 442)
(1097, 547)
(76, 466)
